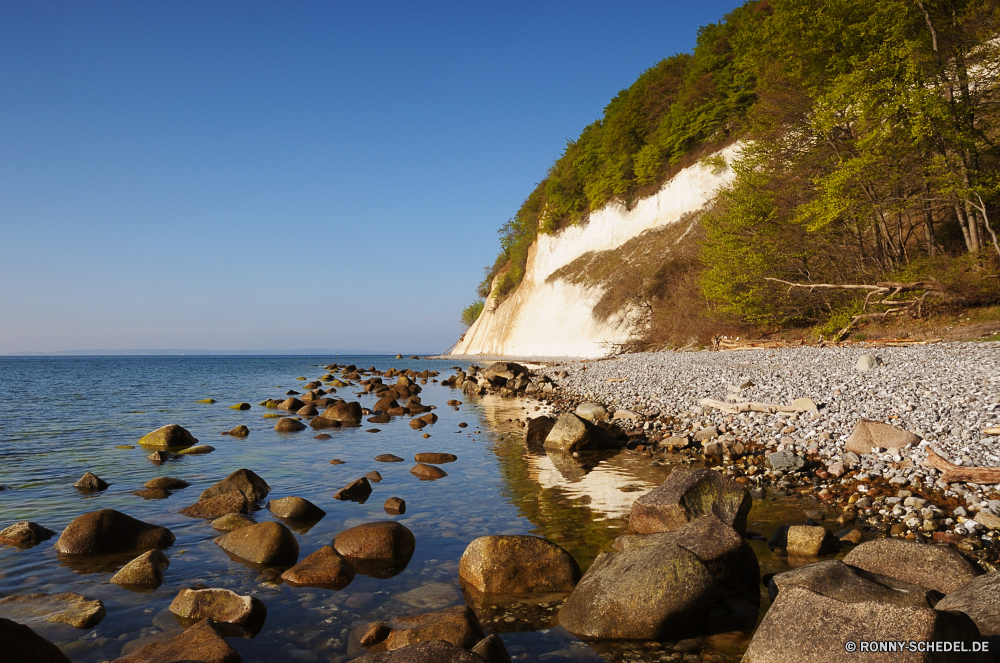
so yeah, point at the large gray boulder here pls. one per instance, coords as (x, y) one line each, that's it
(807, 627)
(979, 599)
(687, 495)
(572, 433)
(836, 580)
(521, 564)
(934, 567)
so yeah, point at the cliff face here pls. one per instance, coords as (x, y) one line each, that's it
(554, 317)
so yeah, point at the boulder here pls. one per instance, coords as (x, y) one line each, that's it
(810, 540)
(356, 491)
(538, 429)
(437, 651)
(295, 508)
(20, 643)
(435, 458)
(166, 483)
(591, 411)
(201, 642)
(389, 458)
(170, 436)
(90, 483)
(324, 568)
(158, 457)
(934, 567)
(291, 404)
(67, 608)
(386, 403)
(417, 424)
(152, 493)
(240, 406)
(492, 650)
(107, 532)
(245, 481)
(571, 433)
(706, 433)
(197, 450)
(215, 507)
(395, 506)
(867, 362)
(320, 423)
(145, 571)
(427, 472)
(267, 544)
(219, 605)
(384, 540)
(517, 565)
(687, 495)
(25, 534)
(979, 599)
(805, 626)
(239, 431)
(307, 411)
(836, 580)
(348, 414)
(231, 521)
(785, 461)
(868, 434)
(289, 425)
(457, 625)
(374, 476)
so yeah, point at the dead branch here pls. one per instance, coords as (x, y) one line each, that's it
(952, 473)
(748, 406)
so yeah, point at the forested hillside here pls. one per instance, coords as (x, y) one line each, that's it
(869, 154)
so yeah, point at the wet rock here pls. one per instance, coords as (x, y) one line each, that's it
(805, 626)
(356, 491)
(395, 506)
(215, 507)
(202, 642)
(435, 458)
(386, 403)
(170, 436)
(107, 532)
(389, 458)
(219, 605)
(197, 450)
(571, 433)
(429, 472)
(457, 625)
(429, 418)
(307, 411)
(323, 436)
(810, 541)
(687, 495)
(289, 425)
(25, 534)
(538, 429)
(934, 567)
(348, 414)
(240, 406)
(517, 565)
(336, 461)
(231, 521)
(245, 481)
(159, 457)
(166, 483)
(868, 434)
(492, 650)
(145, 571)
(979, 598)
(152, 493)
(785, 461)
(239, 431)
(90, 483)
(20, 643)
(417, 424)
(384, 540)
(268, 544)
(324, 568)
(295, 508)
(379, 419)
(291, 404)
(836, 580)
(67, 608)
(438, 651)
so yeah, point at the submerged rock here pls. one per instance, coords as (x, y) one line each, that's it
(25, 534)
(356, 491)
(166, 483)
(20, 643)
(429, 472)
(384, 540)
(202, 642)
(170, 436)
(239, 431)
(214, 507)
(144, 571)
(517, 565)
(158, 457)
(389, 458)
(67, 608)
(457, 625)
(107, 532)
(435, 458)
(197, 450)
(231, 521)
(268, 544)
(245, 481)
(324, 568)
(90, 483)
(219, 605)
(295, 508)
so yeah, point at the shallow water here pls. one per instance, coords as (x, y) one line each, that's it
(67, 415)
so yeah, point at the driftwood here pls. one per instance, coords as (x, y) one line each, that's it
(883, 294)
(748, 406)
(952, 473)
(723, 344)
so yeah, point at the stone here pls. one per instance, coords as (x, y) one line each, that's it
(144, 571)
(934, 567)
(25, 534)
(427, 472)
(348, 414)
(435, 458)
(107, 532)
(804, 626)
(307, 411)
(239, 431)
(389, 458)
(215, 507)
(337, 461)
(687, 495)
(267, 544)
(437, 651)
(810, 540)
(374, 476)
(785, 461)
(20, 643)
(152, 493)
(386, 403)
(835, 469)
(417, 424)
(295, 508)
(202, 642)
(979, 599)
(836, 580)
(219, 605)
(457, 625)
(291, 404)
(867, 362)
(507, 564)
(675, 442)
(245, 481)
(623, 413)
(852, 536)
(591, 411)
(384, 540)
(166, 483)
(289, 425)
(67, 608)
(572, 433)
(356, 491)
(988, 520)
(868, 434)
(159, 457)
(395, 506)
(231, 521)
(491, 648)
(170, 436)
(707, 433)
(90, 483)
(324, 568)
(197, 450)
(538, 428)
(805, 405)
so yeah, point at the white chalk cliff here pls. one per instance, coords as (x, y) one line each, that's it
(554, 318)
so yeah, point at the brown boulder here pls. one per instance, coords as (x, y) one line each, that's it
(348, 414)
(158, 457)
(67, 608)
(934, 567)
(295, 508)
(166, 483)
(20, 643)
(144, 571)
(215, 507)
(538, 429)
(239, 431)
(389, 458)
(518, 565)
(836, 580)
(979, 599)
(573, 433)
(394, 506)
(307, 411)
(219, 605)
(457, 625)
(417, 424)
(324, 568)
(289, 425)
(170, 436)
(437, 651)
(267, 544)
(201, 643)
(107, 532)
(427, 472)
(291, 404)
(435, 458)
(384, 540)
(245, 481)
(386, 403)
(687, 495)
(25, 534)
(356, 491)
(492, 650)
(90, 483)
(231, 521)
(810, 541)
(152, 493)
(868, 434)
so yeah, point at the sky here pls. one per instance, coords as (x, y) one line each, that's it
(248, 176)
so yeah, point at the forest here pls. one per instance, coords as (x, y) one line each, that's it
(867, 181)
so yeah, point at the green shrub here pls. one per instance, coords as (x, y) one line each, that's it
(472, 312)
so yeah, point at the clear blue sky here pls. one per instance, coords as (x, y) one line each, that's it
(249, 175)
